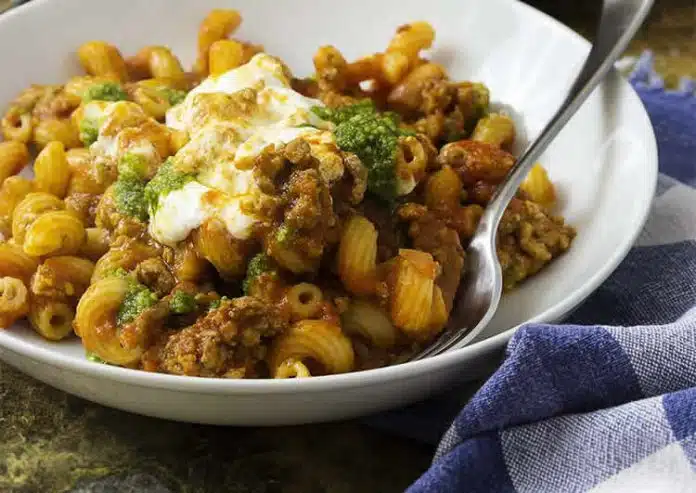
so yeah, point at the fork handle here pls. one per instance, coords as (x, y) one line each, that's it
(619, 23)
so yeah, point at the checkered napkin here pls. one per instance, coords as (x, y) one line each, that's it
(599, 408)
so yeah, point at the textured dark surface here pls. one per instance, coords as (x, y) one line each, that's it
(50, 441)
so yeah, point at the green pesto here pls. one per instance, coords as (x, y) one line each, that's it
(259, 264)
(129, 189)
(173, 96)
(94, 358)
(165, 181)
(129, 193)
(182, 302)
(88, 132)
(373, 137)
(117, 272)
(105, 91)
(215, 304)
(137, 299)
(132, 165)
(285, 233)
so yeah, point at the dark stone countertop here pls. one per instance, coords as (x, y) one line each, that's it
(53, 442)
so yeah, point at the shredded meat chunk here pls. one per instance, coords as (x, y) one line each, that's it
(227, 342)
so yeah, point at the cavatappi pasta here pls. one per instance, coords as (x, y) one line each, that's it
(236, 221)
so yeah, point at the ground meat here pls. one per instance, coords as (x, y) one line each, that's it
(309, 223)
(529, 238)
(84, 206)
(107, 216)
(154, 274)
(391, 237)
(431, 234)
(226, 342)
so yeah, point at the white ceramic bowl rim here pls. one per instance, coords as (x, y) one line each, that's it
(347, 380)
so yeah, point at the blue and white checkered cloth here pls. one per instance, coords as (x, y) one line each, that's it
(601, 408)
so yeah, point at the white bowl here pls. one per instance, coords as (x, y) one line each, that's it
(604, 162)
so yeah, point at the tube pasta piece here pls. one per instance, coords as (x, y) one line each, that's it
(51, 319)
(305, 300)
(217, 25)
(29, 209)
(14, 300)
(538, 187)
(14, 156)
(357, 256)
(54, 233)
(224, 55)
(369, 321)
(292, 368)
(51, 170)
(416, 302)
(317, 340)
(99, 58)
(95, 322)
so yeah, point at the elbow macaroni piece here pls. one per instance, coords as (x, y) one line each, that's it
(495, 129)
(12, 191)
(443, 191)
(15, 263)
(54, 233)
(14, 301)
(31, 207)
(357, 256)
(317, 340)
(17, 125)
(416, 302)
(51, 319)
(305, 300)
(14, 156)
(292, 368)
(63, 130)
(99, 58)
(157, 62)
(227, 254)
(225, 55)
(369, 321)
(217, 25)
(51, 170)
(95, 322)
(126, 258)
(96, 243)
(62, 277)
(538, 187)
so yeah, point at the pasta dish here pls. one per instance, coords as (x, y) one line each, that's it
(237, 221)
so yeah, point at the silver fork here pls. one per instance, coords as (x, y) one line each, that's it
(479, 292)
